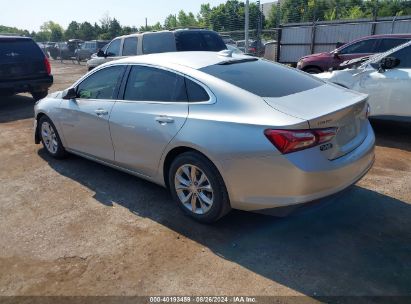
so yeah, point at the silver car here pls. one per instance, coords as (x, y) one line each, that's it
(220, 130)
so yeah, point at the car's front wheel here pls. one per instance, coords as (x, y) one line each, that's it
(198, 188)
(50, 138)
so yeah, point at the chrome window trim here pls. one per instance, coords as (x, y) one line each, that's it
(212, 98)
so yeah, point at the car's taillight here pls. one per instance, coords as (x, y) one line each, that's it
(252, 50)
(47, 65)
(288, 141)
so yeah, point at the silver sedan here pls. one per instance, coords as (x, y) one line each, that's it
(220, 130)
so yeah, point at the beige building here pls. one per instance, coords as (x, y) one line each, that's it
(266, 7)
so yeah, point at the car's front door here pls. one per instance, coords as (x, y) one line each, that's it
(154, 108)
(390, 90)
(84, 120)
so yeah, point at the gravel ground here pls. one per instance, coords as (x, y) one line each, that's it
(74, 227)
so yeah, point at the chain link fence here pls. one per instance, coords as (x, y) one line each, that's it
(285, 31)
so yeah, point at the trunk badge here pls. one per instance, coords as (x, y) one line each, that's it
(12, 54)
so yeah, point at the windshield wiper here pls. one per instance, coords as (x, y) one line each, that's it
(234, 61)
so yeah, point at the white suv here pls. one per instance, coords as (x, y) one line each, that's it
(159, 42)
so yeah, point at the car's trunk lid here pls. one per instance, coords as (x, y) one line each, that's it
(325, 107)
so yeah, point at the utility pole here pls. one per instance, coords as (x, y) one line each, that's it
(146, 23)
(246, 26)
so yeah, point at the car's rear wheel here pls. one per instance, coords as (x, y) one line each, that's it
(198, 188)
(39, 94)
(50, 138)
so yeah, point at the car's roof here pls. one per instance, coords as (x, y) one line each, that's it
(195, 60)
(11, 37)
(166, 31)
(388, 36)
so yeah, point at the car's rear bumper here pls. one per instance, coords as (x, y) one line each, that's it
(301, 177)
(27, 85)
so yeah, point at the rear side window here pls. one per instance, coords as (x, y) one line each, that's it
(12, 50)
(130, 46)
(101, 84)
(152, 84)
(195, 92)
(199, 41)
(158, 43)
(263, 78)
(360, 47)
(387, 44)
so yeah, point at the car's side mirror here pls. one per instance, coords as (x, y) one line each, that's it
(101, 53)
(336, 54)
(70, 94)
(388, 63)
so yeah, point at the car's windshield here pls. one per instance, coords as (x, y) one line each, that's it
(377, 57)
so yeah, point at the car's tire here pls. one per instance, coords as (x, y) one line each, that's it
(50, 138)
(313, 70)
(202, 196)
(39, 94)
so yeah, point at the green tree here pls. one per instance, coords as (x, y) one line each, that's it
(72, 30)
(54, 30)
(170, 22)
(86, 31)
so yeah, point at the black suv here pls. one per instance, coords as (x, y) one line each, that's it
(23, 67)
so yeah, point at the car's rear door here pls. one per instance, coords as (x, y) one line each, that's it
(84, 120)
(153, 109)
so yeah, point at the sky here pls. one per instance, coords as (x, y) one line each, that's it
(31, 14)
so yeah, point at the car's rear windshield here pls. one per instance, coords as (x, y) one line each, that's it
(11, 50)
(199, 41)
(263, 78)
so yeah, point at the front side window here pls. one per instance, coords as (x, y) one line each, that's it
(130, 46)
(360, 47)
(404, 55)
(152, 84)
(101, 84)
(114, 48)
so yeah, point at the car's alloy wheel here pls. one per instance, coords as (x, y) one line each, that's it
(48, 135)
(198, 188)
(50, 138)
(194, 189)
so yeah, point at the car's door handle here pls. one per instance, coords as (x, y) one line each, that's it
(163, 120)
(101, 112)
